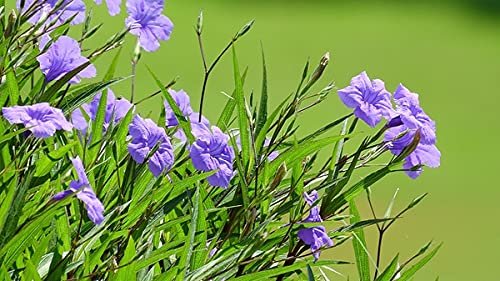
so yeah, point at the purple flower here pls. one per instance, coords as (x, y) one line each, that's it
(147, 22)
(41, 119)
(197, 128)
(413, 116)
(402, 129)
(181, 99)
(63, 56)
(424, 154)
(146, 136)
(316, 237)
(55, 11)
(113, 6)
(116, 109)
(211, 152)
(369, 99)
(84, 192)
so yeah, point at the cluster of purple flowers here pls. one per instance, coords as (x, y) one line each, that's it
(145, 19)
(211, 150)
(148, 142)
(116, 109)
(372, 103)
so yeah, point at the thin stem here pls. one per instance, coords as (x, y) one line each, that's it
(135, 61)
(202, 51)
(203, 90)
(379, 252)
(209, 70)
(170, 84)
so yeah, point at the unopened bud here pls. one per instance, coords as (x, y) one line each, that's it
(199, 24)
(244, 30)
(10, 24)
(321, 68)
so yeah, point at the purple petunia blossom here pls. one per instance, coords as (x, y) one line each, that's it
(84, 192)
(402, 129)
(113, 6)
(413, 116)
(116, 109)
(197, 128)
(41, 119)
(210, 152)
(55, 11)
(369, 99)
(423, 155)
(182, 101)
(147, 22)
(146, 136)
(63, 56)
(316, 237)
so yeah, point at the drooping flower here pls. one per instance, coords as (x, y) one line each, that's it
(63, 56)
(146, 21)
(211, 152)
(411, 119)
(147, 136)
(55, 11)
(424, 154)
(41, 119)
(116, 109)
(316, 237)
(84, 192)
(113, 6)
(369, 99)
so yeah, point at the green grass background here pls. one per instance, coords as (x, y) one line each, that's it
(448, 52)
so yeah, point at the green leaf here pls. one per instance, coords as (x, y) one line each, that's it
(390, 270)
(310, 274)
(263, 275)
(25, 237)
(60, 83)
(84, 94)
(300, 151)
(12, 87)
(15, 210)
(262, 116)
(185, 125)
(359, 245)
(325, 129)
(98, 126)
(127, 272)
(160, 254)
(242, 112)
(357, 188)
(9, 136)
(45, 164)
(200, 253)
(188, 248)
(227, 112)
(112, 67)
(408, 274)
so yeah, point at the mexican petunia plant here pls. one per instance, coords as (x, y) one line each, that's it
(93, 189)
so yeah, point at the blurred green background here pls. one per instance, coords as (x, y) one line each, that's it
(449, 52)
